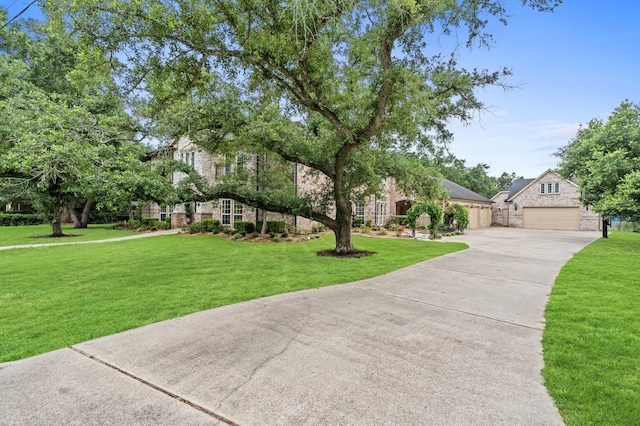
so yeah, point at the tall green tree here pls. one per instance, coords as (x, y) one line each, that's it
(605, 159)
(475, 178)
(63, 131)
(339, 86)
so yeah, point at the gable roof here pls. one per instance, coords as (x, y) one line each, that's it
(519, 185)
(461, 193)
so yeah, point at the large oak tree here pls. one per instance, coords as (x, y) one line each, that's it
(65, 137)
(605, 159)
(339, 86)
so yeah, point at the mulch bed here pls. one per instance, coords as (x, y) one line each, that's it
(51, 236)
(353, 255)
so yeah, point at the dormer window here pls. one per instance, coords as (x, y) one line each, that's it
(550, 188)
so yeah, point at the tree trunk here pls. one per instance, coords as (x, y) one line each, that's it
(56, 223)
(70, 210)
(86, 211)
(343, 227)
(264, 222)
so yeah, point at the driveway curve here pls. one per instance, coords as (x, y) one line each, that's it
(453, 340)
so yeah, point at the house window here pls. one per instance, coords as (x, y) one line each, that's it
(557, 188)
(227, 164)
(359, 210)
(165, 212)
(226, 207)
(542, 188)
(225, 211)
(219, 171)
(188, 158)
(381, 213)
(239, 161)
(549, 188)
(237, 212)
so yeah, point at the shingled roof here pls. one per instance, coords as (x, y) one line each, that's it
(516, 186)
(461, 193)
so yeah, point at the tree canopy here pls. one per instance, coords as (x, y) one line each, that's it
(605, 159)
(64, 135)
(339, 86)
(475, 178)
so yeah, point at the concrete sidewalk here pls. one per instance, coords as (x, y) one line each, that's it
(109, 240)
(454, 340)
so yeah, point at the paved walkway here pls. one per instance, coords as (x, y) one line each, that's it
(71, 242)
(454, 340)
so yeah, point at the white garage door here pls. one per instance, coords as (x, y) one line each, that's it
(552, 218)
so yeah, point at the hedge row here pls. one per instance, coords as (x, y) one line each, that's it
(273, 226)
(18, 219)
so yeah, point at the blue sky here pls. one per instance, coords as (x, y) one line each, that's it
(577, 63)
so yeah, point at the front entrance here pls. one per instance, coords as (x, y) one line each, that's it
(402, 207)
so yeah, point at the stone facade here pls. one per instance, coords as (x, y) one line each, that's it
(549, 190)
(372, 210)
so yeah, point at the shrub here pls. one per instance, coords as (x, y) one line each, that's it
(365, 229)
(211, 225)
(255, 234)
(318, 228)
(382, 231)
(461, 216)
(357, 222)
(226, 229)
(243, 226)
(236, 236)
(149, 221)
(276, 226)
(276, 239)
(398, 220)
(133, 224)
(196, 228)
(21, 219)
(163, 225)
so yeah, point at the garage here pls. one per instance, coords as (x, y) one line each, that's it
(565, 218)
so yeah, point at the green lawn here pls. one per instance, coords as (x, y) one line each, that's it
(592, 335)
(23, 235)
(53, 297)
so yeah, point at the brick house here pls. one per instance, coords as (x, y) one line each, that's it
(546, 202)
(376, 209)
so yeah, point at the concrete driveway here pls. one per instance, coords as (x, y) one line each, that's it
(454, 340)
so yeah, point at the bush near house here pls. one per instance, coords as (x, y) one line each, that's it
(21, 219)
(244, 227)
(211, 225)
(396, 220)
(273, 226)
(146, 224)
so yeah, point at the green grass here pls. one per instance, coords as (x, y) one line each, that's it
(53, 297)
(592, 335)
(23, 235)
